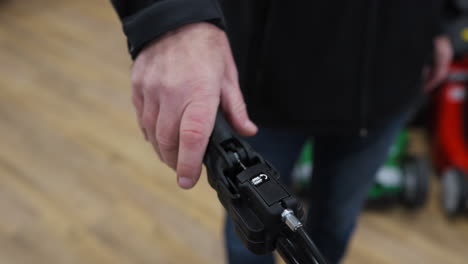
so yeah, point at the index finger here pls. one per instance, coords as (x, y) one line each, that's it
(195, 129)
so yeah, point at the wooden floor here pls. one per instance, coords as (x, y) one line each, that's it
(79, 185)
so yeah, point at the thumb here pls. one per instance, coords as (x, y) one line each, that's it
(235, 110)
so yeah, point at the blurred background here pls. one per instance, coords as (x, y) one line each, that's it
(78, 184)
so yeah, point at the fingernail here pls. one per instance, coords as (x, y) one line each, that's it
(250, 125)
(185, 183)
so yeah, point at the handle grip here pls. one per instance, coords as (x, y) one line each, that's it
(222, 131)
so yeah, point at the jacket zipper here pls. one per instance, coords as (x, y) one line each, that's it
(370, 33)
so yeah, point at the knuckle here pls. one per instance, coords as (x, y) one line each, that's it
(147, 120)
(240, 107)
(170, 87)
(193, 136)
(151, 87)
(196, 119)
(137, 81)
(165, 143)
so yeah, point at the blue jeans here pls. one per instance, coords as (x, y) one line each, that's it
(344, 170)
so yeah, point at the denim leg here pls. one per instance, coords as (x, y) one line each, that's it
(281, 147)
(344, 170)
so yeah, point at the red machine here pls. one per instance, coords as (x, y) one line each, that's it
(451, 150)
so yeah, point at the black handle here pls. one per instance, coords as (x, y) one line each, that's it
(222, 131)
(256, 208)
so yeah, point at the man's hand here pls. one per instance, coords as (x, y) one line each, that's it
(178, 83)
(443, 55)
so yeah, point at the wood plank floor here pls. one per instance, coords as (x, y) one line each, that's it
(79, 185)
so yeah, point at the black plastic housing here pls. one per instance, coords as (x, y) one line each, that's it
(250, 192)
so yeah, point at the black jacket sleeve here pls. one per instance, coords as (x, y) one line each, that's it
(454, 24)
(146, 20)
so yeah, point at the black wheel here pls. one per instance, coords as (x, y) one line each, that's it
(454, 191)
(416, 173)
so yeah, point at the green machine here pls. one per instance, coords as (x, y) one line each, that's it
(403, 178)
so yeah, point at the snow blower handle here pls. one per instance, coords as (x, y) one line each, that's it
(265, 214)
(222, 130)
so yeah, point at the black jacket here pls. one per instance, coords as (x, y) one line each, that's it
(328, 66)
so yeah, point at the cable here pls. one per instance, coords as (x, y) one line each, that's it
(319, 259)
(295, 225)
